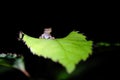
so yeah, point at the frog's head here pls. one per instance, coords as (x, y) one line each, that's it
(47, 30)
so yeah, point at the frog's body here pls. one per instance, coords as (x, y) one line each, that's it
(46, 34)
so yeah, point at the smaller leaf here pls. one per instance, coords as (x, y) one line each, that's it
(13, 61)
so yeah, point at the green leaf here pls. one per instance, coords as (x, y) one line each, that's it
(103, 44)
(12, 61)
(68, 51)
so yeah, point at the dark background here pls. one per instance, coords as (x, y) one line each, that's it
(99, 25)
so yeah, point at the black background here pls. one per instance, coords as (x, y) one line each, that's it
(98, 24)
